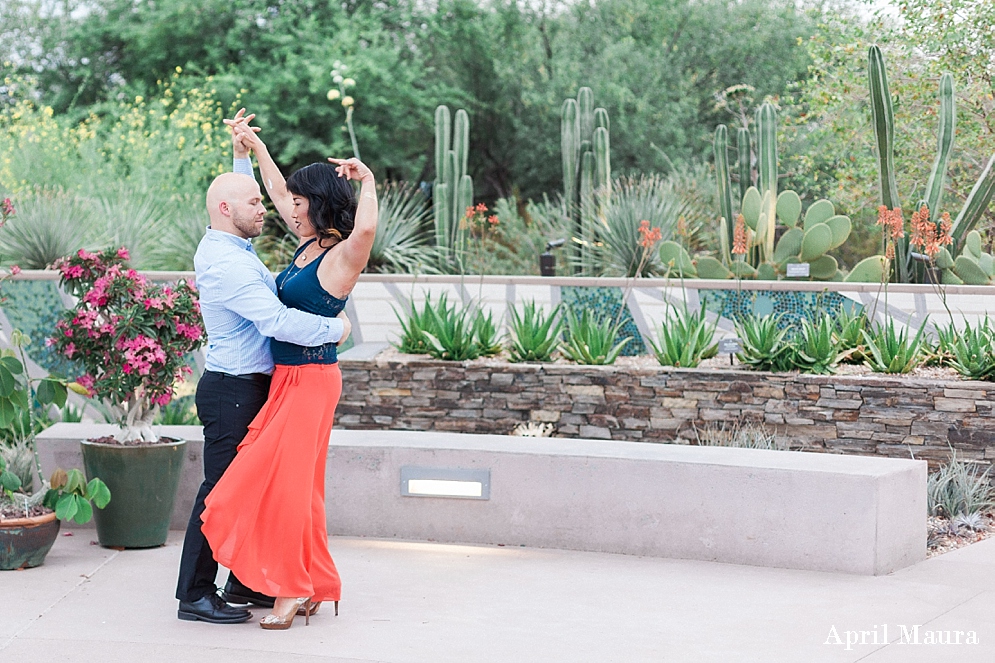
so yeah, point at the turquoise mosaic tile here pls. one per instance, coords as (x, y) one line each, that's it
(794, 306)
(34, 307)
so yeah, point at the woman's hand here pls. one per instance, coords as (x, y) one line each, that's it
(240, 132)
(247, 135)
(346, 327)
(353, 169)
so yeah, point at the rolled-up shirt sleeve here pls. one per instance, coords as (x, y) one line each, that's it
(252, 299)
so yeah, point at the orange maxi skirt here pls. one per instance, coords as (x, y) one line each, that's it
(265, 518)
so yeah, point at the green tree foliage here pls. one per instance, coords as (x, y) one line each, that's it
(654, 64)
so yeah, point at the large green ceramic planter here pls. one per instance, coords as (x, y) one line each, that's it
(25, 542)
(143, 482)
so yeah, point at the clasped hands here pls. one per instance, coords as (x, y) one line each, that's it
(244, 140)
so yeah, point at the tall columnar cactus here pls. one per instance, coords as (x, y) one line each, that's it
(945, 144)
(720, 147)
(744, 149)
(766, 123)
(453, 190)
(884, 134)
(585, 149)
(976, 204)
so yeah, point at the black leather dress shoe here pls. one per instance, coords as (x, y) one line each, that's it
(212, 609)
(242, 595)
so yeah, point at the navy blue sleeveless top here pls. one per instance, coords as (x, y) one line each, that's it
(299, 288)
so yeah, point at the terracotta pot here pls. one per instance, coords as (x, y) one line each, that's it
(143, 482)
(24, 542)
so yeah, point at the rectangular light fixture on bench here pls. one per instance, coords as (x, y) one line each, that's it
(445, 482)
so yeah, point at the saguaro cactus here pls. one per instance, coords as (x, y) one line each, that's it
(453, 190)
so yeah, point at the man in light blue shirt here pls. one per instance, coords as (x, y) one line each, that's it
(241, 313)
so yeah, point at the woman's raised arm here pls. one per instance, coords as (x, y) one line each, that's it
(356, 249)
(273, 180)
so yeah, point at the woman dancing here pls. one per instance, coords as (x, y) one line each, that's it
(265, 519)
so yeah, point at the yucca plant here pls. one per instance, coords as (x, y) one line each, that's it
(486, 334)
(959, 488)
(849, 336)
(816, 349)
(612, 241)
(48, 226)
(973, 354)
(590, 342)
(891, 351)
(416, 323)
(766, 346)
(404, 229)
(452, 337)
(534, 335)
(685, 338)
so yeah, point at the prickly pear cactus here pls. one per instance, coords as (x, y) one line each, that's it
(822, 231)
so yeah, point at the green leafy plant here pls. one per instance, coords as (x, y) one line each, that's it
(534, 335)
(959, 488)
(766, 346)
(486, 334)
(972, 353)
(591, 342)
(179, 412)
(453, 336)
(892, 351)
(685, 338)
(68, 494)
(413, 327)
(71, 496)
(816, 349)
(849, 335)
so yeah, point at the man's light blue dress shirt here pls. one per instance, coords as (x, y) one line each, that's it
(241, 310)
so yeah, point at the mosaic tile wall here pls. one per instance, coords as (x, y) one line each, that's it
(794, 306)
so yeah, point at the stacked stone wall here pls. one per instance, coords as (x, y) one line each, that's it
(868, 414)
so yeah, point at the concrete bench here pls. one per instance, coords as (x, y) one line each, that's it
(743, 506)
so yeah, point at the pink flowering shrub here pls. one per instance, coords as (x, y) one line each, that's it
(130, 335)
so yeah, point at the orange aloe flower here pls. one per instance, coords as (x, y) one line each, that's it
(739, 236)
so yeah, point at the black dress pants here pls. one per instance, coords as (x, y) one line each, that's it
(226, 406)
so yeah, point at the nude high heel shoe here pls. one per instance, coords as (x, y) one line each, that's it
(273, 622)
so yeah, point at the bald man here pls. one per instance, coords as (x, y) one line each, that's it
(241, 313)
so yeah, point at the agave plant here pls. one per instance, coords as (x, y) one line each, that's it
(416, 323)
(534, 335)
(590, 342)
(959, 488)
(973, 352)
(891, 351)
(849, 336)
(404, 229)
(766, 346)
(486, 334)
(942, 352)
(816, 349)
(685, 338)
(452, 337)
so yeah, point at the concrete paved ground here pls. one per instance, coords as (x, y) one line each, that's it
(422, 602)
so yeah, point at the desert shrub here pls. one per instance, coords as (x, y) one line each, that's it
(959, 488)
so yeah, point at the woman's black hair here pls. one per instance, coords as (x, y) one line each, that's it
(331, 199)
